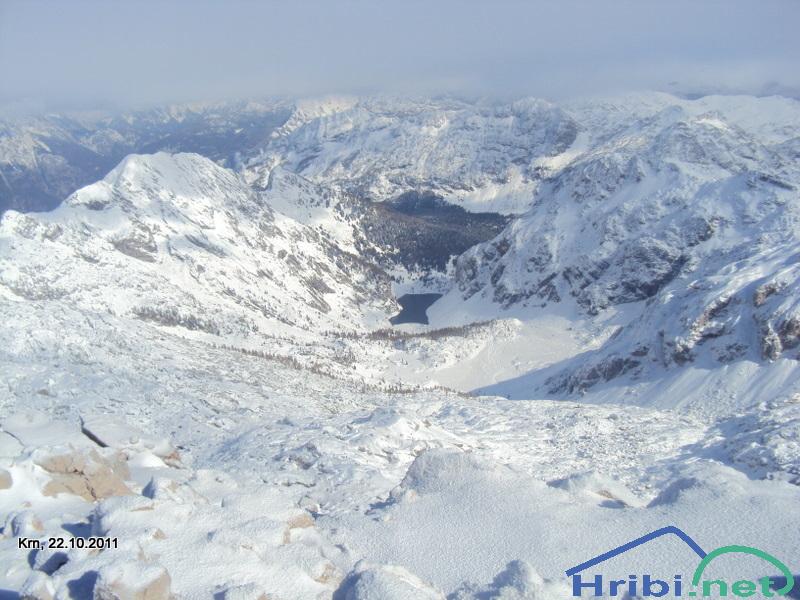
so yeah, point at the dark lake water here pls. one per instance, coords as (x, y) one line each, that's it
(414, 308)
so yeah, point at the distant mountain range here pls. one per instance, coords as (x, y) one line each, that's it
(671, 223)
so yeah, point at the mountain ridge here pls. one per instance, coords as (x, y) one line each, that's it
(183, 218)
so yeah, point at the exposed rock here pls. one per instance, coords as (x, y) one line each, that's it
(789, 332)
(592, 374)
(132, 581)
(765, 291)
(328, 574)
(301, 521)
(85, 474)
(139, 242)
(771, 346)
(6, 481)
(730, 352)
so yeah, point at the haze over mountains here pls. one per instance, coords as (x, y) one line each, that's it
(218, 279)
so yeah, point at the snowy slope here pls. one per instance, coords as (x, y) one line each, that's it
(330, 213)
(225, 473)
(234, 474)
(178, 240)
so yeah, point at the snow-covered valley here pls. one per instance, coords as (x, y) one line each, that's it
(198, 360)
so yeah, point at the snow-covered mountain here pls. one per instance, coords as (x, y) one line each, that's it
(669, 223)
(198, 360)
(685, 217)
(484, 156)
(413, 235)
(178, 240)
(43, 159)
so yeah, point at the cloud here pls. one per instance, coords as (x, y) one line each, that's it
(87, 52)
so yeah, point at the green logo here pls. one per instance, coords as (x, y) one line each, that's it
(743, 588)
(647, 585)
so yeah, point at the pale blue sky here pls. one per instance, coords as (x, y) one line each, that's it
(82, 52)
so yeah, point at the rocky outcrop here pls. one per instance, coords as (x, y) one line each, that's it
(192, 247)
(84, 473)
(132, 581)
(6, 480)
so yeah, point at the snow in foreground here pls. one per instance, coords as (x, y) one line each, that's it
(351, 494)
